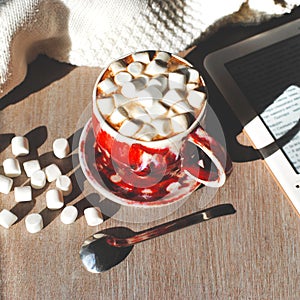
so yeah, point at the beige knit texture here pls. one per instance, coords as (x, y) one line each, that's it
(92, 33)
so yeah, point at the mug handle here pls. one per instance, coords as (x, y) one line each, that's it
(195, 166)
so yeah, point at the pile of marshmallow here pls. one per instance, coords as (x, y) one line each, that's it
(38, 179)
(150, 99)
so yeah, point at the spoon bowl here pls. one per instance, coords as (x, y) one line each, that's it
(98, 255)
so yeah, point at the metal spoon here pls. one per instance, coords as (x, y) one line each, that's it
(107, 248)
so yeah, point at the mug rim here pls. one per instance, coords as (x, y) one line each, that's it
(114, 133)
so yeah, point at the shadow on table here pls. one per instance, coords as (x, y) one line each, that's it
(41, 73)
(5, 139)
(43, 70)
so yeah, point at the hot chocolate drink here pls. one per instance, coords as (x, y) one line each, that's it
(150, 95)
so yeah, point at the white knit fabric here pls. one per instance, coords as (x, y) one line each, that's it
(93, 32)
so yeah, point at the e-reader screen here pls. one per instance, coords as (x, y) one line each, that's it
(269, 78)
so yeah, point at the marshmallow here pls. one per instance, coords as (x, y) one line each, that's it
(31, 166)
(150, 92)
(69, 214)
(164, 56)
(131, 88)
(7, 218)
(117, 66)
(193, 75)
(179, 123)
(61, 148)
(196, 98)
(191, 86)
(64, 184)
(23, 193)
(20, 146)
(145, 78)
(34, 223)
(137, 112)
(5, 184)
(177, 81)
(105, 106)
(120, 100)
(135, 68)
(171, 113)
(11, 167)
(160, 82)
(38, 179)
(52, 172)
(141, 57)
(122, 77)
(182, 107)
(162, 126)
(172, 96)
(107, 86)
(156, 67)
(118, 116)
(156, 110)
(54, 199)
(130, 127)
(147, 96)
(146, 133)
(145, 101)
(93, 216)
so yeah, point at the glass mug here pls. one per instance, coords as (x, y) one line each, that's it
(155, 168)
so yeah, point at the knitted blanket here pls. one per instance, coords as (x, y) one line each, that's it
(92, 33)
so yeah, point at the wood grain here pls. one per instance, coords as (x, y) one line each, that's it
(254, 254)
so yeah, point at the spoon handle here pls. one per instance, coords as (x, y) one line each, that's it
(192, 219)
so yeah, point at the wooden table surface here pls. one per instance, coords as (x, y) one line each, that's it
(254, 254)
